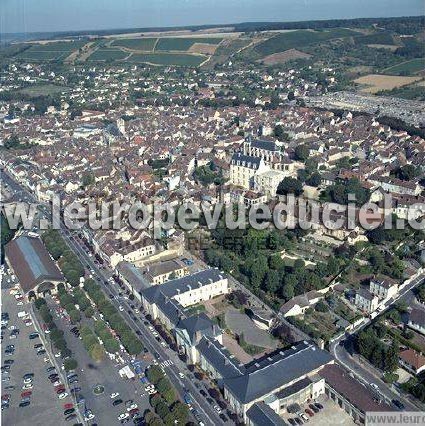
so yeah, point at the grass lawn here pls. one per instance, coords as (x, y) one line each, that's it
(183, 44)
(146, 44)
(43, 90)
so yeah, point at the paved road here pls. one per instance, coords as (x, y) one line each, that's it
(208, 414)
(104, 373)
(364, 371)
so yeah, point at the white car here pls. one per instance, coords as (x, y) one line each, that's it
(57, 355)
(374, 386)
(152, 391)
(155, 333)
(123, 416)
(63, 395)
(121, 309)
(181, 375)
(27, 386)
(88, 415)
(217, 408)
(114, 395)
(304, 417)
(150, 328)
(28, 380)
(131, 407)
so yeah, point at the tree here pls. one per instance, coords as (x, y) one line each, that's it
(87, 179)
(301, 152)
(407, 172)
(111, 345)
(271, 282)
(75, 316)
(169, 395)
(280, 133)
(180, 412)
(162, 409)
(60, 344)
(291, 95)
(70, 364)
(290, 185)
(163, 385)
(89, 312)
(321, 306)
(56, 335)
(314, 180)
(155, 374)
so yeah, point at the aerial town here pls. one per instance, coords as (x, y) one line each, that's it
(209, 325)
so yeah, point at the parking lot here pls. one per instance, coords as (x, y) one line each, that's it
(45, 408)
(103, 373)
(331, 414)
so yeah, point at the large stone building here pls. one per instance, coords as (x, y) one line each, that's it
(33, 266)
(243, 168)
(280, 379)
(167, 302)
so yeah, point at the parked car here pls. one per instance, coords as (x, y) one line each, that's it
(398, 404)
(117, 402)
(309, 412)
(314, 408)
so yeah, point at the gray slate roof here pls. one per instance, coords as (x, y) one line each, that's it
(220, 358)
(198, 323)
(262, 144)
(184, 284)
(274, 371)
(261, 414)
(246, 160)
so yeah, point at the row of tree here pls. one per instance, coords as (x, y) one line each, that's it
(166, 406)
(69, 263)
(369, 344)
(56, 335)
(127, 337)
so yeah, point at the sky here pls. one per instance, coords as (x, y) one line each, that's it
(68, 15)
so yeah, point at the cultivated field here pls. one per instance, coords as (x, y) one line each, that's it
(108, 55)
(144, 44)
(282, 57)
(409, 67)
(179, 59)
(299, 38)
(376, 82)
(50, 51)
(183, 44)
